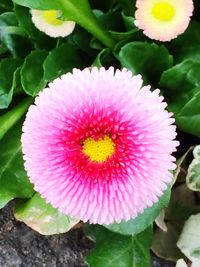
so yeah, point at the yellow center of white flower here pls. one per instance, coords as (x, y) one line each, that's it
(99, 150)
(50, 16)
(163, 11)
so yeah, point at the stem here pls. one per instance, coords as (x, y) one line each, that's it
(93, 26)
(88, 21)
(10, 118)
(59, 42)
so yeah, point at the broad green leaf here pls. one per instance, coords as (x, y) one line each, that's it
(124, 37)
(75, 10)
(143, 220)
(3, 49)
(128, 6)
(193, 175)
(182, 204)
(7, 120)
(103, 58)
(115, 250)
(42, 217)
(189, 241)
(32, 72)
(5, 6)
(5, 197)
(81, 39)
(164, 243)
(111, 20)
(160, 221)
(16, 85)
(181, 78)
(181, 86)
(14, 182)
(189, 52)
(39, 4)
(128, 22)
(12, 36)
(188, 120)
(7, 70)
(186, 46)
(149, 60)
(61, 60)
(179, 173)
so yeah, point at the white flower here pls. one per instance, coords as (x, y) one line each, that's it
(47, 21)
(163, 20)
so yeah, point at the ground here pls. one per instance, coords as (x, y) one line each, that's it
(22, 247)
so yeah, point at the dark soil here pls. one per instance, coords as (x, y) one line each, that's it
(22, 247)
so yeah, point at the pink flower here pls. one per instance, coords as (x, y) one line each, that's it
(163, 20)
(97, 146)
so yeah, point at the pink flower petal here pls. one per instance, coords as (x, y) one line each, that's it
(91, 104)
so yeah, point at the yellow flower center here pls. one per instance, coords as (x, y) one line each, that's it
(50, 16)
(99, 150)
(163, 11)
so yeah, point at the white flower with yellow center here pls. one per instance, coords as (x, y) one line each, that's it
(163, 20)
(48, 22)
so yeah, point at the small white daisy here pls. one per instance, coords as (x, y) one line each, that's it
(48, 22)
(163, 20)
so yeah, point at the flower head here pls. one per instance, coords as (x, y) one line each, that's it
(47, 21)
(98, 146)
(163, 20)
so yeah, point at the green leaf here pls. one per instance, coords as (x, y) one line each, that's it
(160, 221)
(115, 250)
(179, 172)
(128, 6)
(5, 5)
(189, 241)
(3, 49)
(164, 243)
(193, 174)
(149, 60)
(7, 120)
(16, 85)
(103, 4)
(32, 72)
(186, 46)
(181, 78)
(188, 120)
(143, 220)
(182, 204)
(104, 58)
(111, 20)
(12, 36)
(7, 70)
(81, 39)
(181, 85)
(128, 22)
(14, 182)
(39, 4)
(42, 217)
(61, 60)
